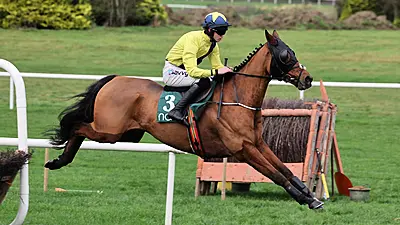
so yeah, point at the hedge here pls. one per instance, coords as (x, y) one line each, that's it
(48, 14)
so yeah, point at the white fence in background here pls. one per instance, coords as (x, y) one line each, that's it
(186, 6)
(317, 2)
(159, 79)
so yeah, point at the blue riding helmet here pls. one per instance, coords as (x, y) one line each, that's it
(215, 20)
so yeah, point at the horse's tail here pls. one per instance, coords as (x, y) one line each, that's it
(80, 112)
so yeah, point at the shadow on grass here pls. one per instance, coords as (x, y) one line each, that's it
(271, 195)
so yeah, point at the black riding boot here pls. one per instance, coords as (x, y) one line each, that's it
(313, 203)
(178, 113)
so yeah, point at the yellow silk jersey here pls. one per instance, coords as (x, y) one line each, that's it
(191, 46)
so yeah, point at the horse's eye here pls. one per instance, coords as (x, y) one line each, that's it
(284, 56)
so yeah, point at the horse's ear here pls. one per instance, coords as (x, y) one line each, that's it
(275, 34)
(271, 39)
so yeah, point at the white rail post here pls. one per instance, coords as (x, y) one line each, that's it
(302, 94)
(11, 93)
(170, 189)
(22, 138)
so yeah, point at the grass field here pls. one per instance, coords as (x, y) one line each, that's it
(134, 184)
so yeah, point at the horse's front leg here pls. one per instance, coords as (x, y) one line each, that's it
(252, 155)
(281, 167)
(276, 162)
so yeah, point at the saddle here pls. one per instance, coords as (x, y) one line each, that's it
(172, 95)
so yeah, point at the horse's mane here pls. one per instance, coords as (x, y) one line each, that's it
(246, 60)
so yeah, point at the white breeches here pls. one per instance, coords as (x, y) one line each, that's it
(177, 77)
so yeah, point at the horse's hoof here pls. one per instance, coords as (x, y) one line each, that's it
(316, 204)
(53, 164)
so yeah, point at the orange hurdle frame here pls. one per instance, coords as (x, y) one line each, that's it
(320, 138)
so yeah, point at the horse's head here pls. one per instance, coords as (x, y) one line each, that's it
(284, 64)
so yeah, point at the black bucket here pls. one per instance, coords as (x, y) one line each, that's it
(241, 187)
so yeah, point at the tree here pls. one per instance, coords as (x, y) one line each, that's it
(390, 8)
(119, 11)
(349, 7)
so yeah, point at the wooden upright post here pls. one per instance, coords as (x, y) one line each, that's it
(223, 189)
(46, 171)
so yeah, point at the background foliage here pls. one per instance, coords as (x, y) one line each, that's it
(82, 14)
(389, 8)
(118, 13)
(48, 14)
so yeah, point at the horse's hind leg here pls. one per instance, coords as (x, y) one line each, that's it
(74, 143)
(282, 168)
(255, 158)
(71, 148)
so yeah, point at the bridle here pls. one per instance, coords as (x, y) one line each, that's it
(285, 76)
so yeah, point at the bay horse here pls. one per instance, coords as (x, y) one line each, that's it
(118, 108)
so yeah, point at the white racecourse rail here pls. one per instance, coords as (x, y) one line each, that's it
(139, 147)
(16, 77)
(159, 79)
(23, 142)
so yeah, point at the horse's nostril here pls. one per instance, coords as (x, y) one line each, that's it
(308, 80)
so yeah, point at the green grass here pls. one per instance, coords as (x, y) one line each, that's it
(134, 184)
(360, 56)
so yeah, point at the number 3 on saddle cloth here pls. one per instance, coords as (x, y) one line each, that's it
(170, 97)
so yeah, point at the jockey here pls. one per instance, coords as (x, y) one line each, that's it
(181, 64)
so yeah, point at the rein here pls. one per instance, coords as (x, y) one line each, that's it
(285, 77)
(237, 103)
(251, 75)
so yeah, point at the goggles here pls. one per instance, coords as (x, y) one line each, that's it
(220, 30)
